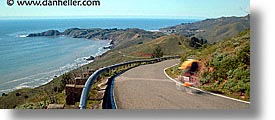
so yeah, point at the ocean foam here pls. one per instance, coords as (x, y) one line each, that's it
(22, 36)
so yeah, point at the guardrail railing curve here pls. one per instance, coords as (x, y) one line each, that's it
(94, 76)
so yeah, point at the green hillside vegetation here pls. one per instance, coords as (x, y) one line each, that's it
(38, 98)
(226, 66)
(213, 30)
(170, 45)
(130, 37)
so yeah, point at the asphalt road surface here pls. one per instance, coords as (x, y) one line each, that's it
(147, 87)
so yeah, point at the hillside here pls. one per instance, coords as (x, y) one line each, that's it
(226, 66)
(170, 45)
(213, 30)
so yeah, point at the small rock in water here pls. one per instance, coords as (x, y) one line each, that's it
(90, 58)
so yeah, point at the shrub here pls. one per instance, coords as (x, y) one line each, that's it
(4, 94)
(18, 94)
(157, 53)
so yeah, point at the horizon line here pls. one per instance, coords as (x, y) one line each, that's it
(110, 17)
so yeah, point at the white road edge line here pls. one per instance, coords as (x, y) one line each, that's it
(177, 82)
(114, 95)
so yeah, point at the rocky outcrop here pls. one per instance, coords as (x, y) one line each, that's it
(90, 58)
(46, 33)
(95, 33)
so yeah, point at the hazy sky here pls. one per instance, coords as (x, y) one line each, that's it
(136, 8)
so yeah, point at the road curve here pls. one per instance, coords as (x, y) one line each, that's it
(147, 87)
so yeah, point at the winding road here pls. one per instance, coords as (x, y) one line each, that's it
(147, 87)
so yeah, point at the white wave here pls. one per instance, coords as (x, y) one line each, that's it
(22, 36)
(154, 30)
(21, 86)
(6, 90)
(30, 77)
(25, 83)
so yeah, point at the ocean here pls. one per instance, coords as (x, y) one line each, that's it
(31, 62)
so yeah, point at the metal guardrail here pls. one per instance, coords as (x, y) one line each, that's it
(94, 76)
(108, 99)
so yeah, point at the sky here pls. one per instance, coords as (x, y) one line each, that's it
(134, 9)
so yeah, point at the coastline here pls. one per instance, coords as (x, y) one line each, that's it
(52, 74)
(81, 65)
(45, 92)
